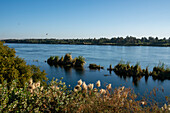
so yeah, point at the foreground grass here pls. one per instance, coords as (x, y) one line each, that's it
(57, 97)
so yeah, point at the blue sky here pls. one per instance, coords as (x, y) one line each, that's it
(84, 18)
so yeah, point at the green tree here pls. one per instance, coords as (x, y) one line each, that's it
(12, 67)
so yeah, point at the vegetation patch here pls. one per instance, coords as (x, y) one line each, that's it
(159, 72)
(95, 66)
(118, 41)
(127, 70)
(57, 97)
(66, 61)
(12, 67)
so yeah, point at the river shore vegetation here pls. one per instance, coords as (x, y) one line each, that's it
(12, 67)
(118, 41)
(23, 89)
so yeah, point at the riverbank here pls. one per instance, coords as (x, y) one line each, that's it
(119, 41)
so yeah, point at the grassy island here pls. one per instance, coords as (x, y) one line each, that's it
(66, 61)
(159, 72)
(95, 66)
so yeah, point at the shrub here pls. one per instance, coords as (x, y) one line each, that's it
(50, 60)
(160, 72)
(80, 61)
(12, 67)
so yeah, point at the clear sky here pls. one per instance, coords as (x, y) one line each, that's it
(84, 18)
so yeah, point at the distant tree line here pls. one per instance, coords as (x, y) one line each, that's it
(127, 41)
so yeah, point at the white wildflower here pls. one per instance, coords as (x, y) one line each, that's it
(84, 86)
(90, 86)
(162, 108)
(109, 86)
(41, 88)
(102, 91)
(77, 88)
(165, 106)
(95, 90)
(33, 86)
(38, 84)
(98, 83)
(80, 82)
(122, 88)
(143, 102)
(30, 81)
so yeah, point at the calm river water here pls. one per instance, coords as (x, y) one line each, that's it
(104, 56)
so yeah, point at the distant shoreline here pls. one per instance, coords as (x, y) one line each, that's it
(120, 41)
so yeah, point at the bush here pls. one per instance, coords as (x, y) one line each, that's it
(80, 61)
(12, 67)
(50, 60)
(160, 72)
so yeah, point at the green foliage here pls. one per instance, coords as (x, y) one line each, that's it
(67, 58)
(57, 97)
(160, 72)
(95, 66)
(80, 61)
(38, 75)
(56, 59)
(60, 62)
(12, 67)
(66, 61)
(123, 69)
(125, 41)
(50, 99)
(50, 60)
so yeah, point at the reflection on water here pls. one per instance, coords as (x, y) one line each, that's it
(68, 70)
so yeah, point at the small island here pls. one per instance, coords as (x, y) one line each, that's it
(159, 72)
(95, 66)
(66, 61)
